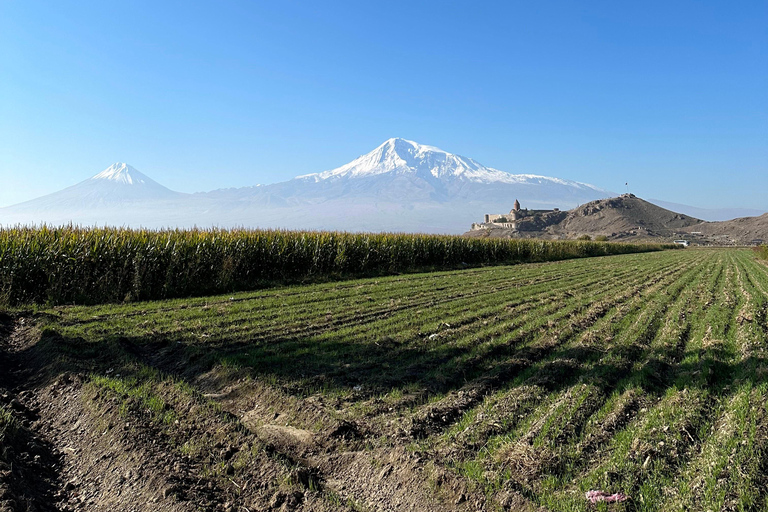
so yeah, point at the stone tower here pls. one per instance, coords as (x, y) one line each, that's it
(517, 205)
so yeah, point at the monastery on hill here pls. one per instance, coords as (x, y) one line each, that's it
(512, 220)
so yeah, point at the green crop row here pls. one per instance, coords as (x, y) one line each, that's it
(99, 265)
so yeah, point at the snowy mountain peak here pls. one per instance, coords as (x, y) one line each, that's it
(398, 156)
(122, 173)
(398, 145)
(398, 152)
(121, 182)
(401, 156)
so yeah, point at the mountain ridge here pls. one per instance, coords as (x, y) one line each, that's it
(400, 185)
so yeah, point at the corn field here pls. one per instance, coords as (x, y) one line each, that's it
(70, 265)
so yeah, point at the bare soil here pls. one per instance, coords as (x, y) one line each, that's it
(79, 448)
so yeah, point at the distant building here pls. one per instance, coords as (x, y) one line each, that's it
(512, 219)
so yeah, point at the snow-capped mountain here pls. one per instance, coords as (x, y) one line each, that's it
(118, 195)
(123, 173)
(404, 157)
(117, 185)
(400, 156)
(411, 175)
(399, 186)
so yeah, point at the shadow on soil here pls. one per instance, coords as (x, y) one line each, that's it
(29, 465)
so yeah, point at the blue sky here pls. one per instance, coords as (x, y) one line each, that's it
(671, 97)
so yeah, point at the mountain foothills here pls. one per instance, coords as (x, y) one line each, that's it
(399, 186)
(624, 218)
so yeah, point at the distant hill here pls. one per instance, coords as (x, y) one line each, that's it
(626, 217)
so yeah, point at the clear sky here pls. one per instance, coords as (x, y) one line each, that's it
(670, 96)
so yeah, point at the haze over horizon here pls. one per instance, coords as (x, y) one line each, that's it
(668, 98)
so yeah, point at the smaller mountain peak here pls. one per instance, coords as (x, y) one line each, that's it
(122, 173)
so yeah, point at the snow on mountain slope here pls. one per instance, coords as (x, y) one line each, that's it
(399, 186)
(400, 156)
(122, 173)
(402, 172)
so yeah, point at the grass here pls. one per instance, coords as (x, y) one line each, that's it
(137, 389)
(645, 374)
(11, 431)
(8, 426)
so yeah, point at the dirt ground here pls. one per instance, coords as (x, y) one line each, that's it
(76, 448)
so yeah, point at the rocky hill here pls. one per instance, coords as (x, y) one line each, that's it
(626, 217)
(621, 217)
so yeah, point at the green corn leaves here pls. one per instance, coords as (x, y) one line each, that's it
(95, 265)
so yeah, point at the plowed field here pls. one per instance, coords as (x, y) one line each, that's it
(501, 388)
